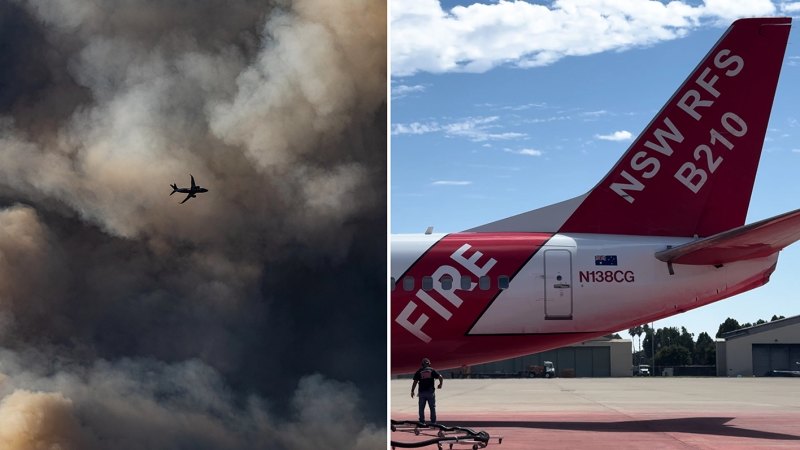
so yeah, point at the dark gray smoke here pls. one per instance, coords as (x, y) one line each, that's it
(250, 317)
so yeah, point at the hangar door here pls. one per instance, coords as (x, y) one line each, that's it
(580, 361)
(768, 357)
(583, 361)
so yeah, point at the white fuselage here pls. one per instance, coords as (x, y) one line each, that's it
(573, 284)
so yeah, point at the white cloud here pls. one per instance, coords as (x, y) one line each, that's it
(480, 36)
(475, 129)
(478, 130)
(791, 7)
(548, 119)
(525, 107)
(726, 11)
(598, 113)
(793, 61)
(415, 128)
(526, 152)
(451, 183)
(404, 90)
(623, 135)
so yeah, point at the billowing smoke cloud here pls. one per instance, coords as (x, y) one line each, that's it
(146, 404)
(240, 318)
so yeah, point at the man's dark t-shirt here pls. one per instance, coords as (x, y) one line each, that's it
(426, 376)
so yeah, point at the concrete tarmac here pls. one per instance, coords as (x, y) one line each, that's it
(616, 413)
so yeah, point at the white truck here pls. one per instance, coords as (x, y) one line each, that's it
(547, 370)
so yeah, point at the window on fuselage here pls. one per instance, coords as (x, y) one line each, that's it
(447, 282)
(466, 282)
(408, 284)
(503, 281)
(427, 283)
(392, 283)
(484, 282)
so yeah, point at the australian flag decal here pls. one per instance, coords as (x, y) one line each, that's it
(605, 260)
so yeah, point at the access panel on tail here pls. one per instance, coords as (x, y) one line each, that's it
(691, 171)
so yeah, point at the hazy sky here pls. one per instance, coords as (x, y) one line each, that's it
(503, 107)
(244, 318)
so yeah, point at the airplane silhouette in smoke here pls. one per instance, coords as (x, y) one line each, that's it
(192, 191)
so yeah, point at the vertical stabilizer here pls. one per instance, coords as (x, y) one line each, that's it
(691, 171)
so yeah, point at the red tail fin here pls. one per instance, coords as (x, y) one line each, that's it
(692, 169)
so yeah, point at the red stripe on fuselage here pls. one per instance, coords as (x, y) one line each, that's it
(433, 323)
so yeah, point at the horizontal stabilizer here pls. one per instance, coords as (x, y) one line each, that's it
(756, 240)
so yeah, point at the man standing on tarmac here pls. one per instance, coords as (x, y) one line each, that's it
(425, 376)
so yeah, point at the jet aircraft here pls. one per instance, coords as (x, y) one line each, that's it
(192, 191)
(661, 234)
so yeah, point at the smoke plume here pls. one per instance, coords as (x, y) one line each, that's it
(248, 317)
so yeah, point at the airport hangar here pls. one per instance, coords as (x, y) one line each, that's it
(601, 357)
(753, 351)
(757, 350)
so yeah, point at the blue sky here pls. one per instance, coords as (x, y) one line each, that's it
(503, 107)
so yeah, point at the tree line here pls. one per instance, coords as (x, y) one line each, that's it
(674, 347)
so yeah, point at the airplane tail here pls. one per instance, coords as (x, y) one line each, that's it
(174, 187)
(691, 171)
